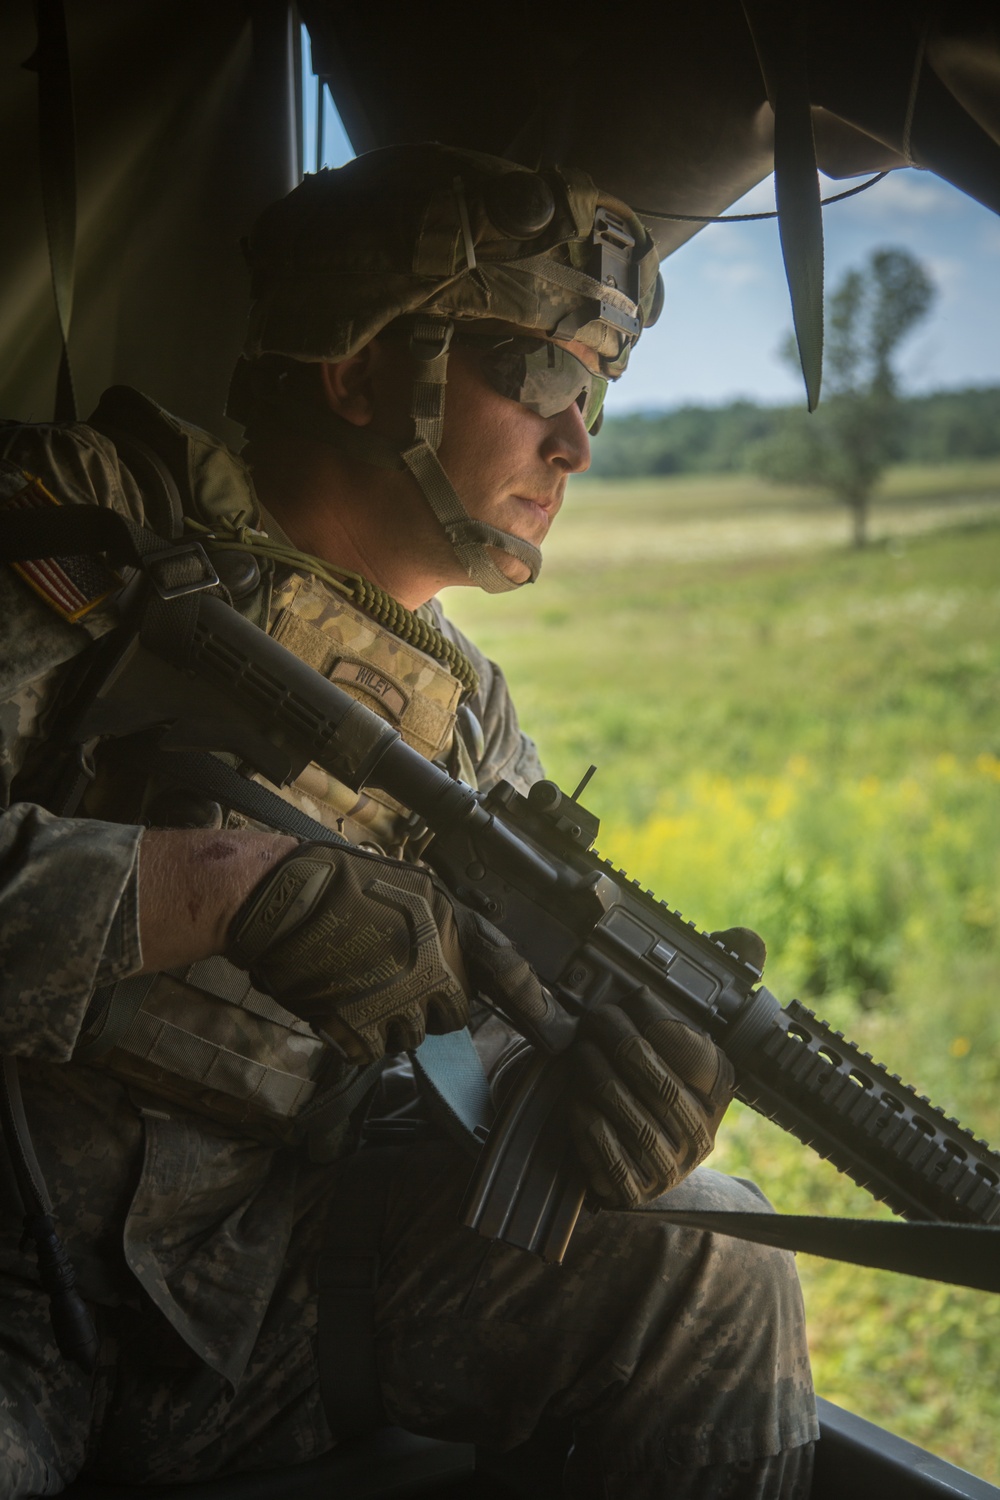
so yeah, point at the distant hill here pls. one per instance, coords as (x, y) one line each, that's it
(940, 428)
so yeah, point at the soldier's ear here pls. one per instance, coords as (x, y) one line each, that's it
(349, 385)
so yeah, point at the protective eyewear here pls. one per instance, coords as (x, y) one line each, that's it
(544, 377)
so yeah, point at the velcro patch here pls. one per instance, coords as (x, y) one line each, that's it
(369, 680)
(72, 586)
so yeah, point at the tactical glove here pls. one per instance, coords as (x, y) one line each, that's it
(650, 1092)
(371, 952)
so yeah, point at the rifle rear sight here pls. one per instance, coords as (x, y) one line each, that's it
(568, 818)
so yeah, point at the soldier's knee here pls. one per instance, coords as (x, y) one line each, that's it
(729, 1302)
(761, 1275)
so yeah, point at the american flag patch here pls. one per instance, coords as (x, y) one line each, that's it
(72, 586)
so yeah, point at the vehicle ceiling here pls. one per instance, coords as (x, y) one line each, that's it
(185, 125)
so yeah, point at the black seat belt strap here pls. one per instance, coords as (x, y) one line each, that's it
(75, 530)
(57, 161)
(71, 1322)
(348, 1283)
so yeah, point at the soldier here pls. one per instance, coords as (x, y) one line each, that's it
(200, 1002)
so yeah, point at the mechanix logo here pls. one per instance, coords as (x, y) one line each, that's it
(361, 942)
(391, 699)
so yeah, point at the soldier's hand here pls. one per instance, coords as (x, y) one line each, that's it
(650, 1091)
(371, 952)
(650, 1094)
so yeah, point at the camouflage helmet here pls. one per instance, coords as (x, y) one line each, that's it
(432, 237)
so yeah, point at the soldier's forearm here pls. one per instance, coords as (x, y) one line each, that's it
(191, 883)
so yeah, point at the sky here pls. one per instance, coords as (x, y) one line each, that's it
(726, 311)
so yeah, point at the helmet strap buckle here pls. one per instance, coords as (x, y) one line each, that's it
(430, 340)
(617, 268)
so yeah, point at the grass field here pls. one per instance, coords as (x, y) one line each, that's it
(806, 739)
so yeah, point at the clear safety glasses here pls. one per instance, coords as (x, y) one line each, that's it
(544, 377)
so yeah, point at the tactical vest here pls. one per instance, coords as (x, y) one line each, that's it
(204, 1036)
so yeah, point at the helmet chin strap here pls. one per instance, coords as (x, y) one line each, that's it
(471, 540)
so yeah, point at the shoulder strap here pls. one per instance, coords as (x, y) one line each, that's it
(75, 530)
(155, 449)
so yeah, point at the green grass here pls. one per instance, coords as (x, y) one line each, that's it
(687, 494)
(808, 741)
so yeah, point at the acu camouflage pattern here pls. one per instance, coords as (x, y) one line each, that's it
(195, 1240)
(239, 1055)
(352, 249)
(77, 876)
(679, 1357)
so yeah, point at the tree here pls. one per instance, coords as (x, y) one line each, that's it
(847, 443)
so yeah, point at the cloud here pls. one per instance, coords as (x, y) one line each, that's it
(903, 192)
(948, 272)
(734, 274)
(759, 200)
(906, 191)
(734, 256)
(738, 242)
(989, 237)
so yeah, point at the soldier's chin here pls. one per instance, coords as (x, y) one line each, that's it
(510, 567)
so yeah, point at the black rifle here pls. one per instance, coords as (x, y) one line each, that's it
(208, 679)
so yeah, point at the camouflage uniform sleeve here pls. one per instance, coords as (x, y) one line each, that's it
(508, 753)
(74, 878)
(67, 877)
(75, 462)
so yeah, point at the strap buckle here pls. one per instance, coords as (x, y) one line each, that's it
(616, 268)
(430, 338)
(209, 578)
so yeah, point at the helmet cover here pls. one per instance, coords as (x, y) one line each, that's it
(430, 229)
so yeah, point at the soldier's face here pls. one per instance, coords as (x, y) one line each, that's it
(509, 466)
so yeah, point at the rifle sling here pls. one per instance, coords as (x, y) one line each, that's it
(208, 775)
(77, 530)
(959, 1254)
